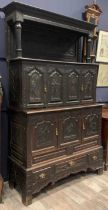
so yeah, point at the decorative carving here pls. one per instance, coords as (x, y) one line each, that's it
(73, 88)
(70, 128)
(88, 85)
(91, 14)
(55, 86)
(91, 125)
(44, 133)
(35, 86)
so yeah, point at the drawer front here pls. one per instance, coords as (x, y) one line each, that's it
(43, 157)
(96, 158)
(62, 170)
(87, 145)
(41, 178)
(70, 166)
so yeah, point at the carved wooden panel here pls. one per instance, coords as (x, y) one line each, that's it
(91, 124)
(43, 132)
(88, 85)
(35, 86)
(72, 86)
(70, 123)
(55, 86)
(33, 82)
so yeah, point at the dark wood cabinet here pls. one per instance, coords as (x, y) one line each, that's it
(49, 84)
(46, 131)
(55, 123)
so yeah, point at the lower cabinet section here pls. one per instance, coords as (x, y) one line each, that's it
(45, 134)
(32, 180)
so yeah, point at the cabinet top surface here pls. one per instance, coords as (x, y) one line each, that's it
(49, 110)
(18, 11)
(25, 60)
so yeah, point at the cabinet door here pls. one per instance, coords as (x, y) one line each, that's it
(88, 85)
(43, 133)
(91, 124)
(34, 79)
(72, 86)
(69, 128)
(55, 86)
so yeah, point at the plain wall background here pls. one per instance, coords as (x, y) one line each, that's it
(71, 8)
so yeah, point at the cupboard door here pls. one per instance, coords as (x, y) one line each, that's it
(69, 128)
(91, 124)
(43, 133)
(34, 85)
(72, 86)
(88, 85)
(55, 85)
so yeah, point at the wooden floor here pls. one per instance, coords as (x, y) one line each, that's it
(81, 192)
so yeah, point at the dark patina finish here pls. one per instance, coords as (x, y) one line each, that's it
(55, 126)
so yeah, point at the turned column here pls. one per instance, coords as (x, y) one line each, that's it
(88, 49)
(18, 28)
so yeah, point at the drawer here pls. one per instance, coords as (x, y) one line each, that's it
(86, 145)
(41, 178)
(62, 169)
(79, 164)
(48, 156)
(96, 158)
(74, 165)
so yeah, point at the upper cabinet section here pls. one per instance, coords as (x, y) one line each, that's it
(38, 34)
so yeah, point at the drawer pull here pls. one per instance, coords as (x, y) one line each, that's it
(71, 163)
(56, 132)
(94, 157)
(83, 126)
(45, 90)
(42, 176)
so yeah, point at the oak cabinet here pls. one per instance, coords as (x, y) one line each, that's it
(55, 123)
(53, 133)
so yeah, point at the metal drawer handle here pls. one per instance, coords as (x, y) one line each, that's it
(42, 176)
(71, 163)
(57, 132)
(83, 126)
(94, 157)
(45, 90)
